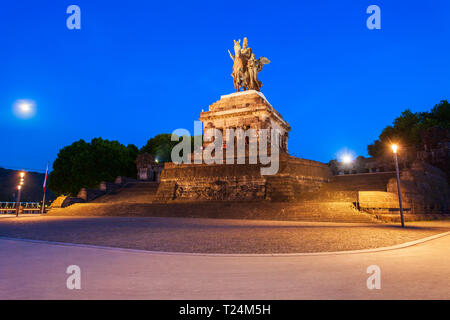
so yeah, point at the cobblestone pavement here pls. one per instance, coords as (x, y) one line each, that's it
(216, 235)
(32, 270)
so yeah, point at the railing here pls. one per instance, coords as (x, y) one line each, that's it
(25, 207)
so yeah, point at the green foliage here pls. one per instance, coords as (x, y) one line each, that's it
(85, 164)
(439, 115)
(407, 128)
(161, 146)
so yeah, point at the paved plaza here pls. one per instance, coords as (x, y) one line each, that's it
(215, 235)
(38, 271)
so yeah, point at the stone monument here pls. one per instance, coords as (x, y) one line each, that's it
(245, 110)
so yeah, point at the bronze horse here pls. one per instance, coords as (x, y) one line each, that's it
(246, 67)
(239, 73)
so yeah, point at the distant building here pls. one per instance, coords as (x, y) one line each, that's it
(148, 168)
(363, 165)
(435, 150)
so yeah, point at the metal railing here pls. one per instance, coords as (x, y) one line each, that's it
(25, 207)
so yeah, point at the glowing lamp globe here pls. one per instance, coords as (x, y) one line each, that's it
(346, 159)
(394, 148)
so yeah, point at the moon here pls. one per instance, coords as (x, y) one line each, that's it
(24, 108)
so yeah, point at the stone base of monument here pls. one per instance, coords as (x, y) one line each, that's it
(241, 182)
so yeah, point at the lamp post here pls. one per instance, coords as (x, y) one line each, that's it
(394, 149)
(19, 188)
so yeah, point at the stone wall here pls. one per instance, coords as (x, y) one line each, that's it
(238, 182)
(211, 182)
(88, 194)
(425, 186)
(380, 202)
(424, 191)
(307, 175)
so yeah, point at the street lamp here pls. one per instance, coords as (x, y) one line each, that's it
(347, 159)
(19, 188)
(394, 149)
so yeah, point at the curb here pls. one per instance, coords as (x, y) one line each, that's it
(224, 255)
(23, 215)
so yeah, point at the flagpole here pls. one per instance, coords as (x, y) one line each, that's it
(43, 204)
(43, 197)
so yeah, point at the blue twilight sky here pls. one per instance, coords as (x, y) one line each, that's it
(139, 68)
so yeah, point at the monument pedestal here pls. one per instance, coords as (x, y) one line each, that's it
(242, 182)
(245, 110)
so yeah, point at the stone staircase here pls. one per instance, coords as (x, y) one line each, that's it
(328, 212)
(264, 210)
(165, 192)
(58, 202)
(333, 202)
(133, 192)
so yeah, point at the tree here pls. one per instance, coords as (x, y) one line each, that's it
(439, 115)
(84, 164)
(407, 128)
(161, 146)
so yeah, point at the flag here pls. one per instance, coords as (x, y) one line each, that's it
(46, 177)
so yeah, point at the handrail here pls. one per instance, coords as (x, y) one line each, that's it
(10, 207)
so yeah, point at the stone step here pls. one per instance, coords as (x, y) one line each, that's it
(57, 203)
(136, 192)
(336, 212)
